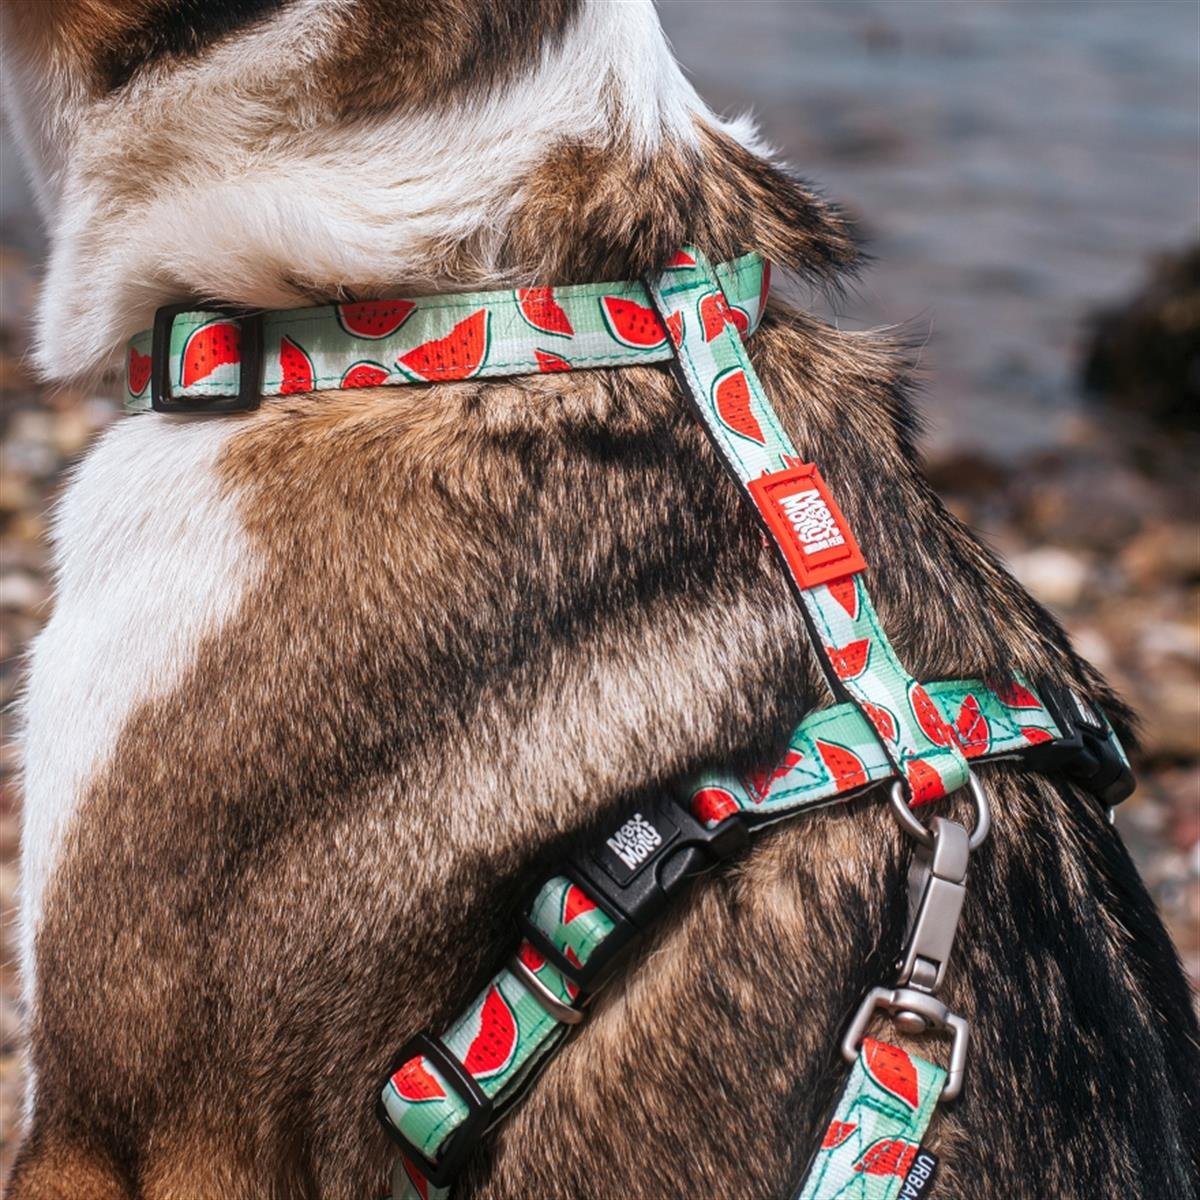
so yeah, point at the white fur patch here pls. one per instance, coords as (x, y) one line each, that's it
(269, 201)
(150, 557)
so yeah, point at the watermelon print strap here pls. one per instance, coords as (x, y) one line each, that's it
(837, 751)
(505, 1032)
(431, 339)
(875, 1133)
(809, 532)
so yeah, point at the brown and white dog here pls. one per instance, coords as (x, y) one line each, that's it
(315, 702)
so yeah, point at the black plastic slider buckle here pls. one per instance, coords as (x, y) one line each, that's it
(443, 1171)
(633, 874)
(250, 367)
(1087, 751)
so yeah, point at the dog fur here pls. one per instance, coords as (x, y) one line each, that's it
(326, 685)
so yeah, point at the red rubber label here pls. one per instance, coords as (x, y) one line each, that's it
(807, 524)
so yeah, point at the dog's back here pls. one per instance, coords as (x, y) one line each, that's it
(325, 685)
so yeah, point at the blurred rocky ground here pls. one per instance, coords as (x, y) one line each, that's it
(1024, 173)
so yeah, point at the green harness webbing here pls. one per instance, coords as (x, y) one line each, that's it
(444, 1092)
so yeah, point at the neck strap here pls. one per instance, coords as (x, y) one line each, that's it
(214, 360)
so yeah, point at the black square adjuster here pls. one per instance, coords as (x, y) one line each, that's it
(1086, 751)
(250, 329)
(467, 1136)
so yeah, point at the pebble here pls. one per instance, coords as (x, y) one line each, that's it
(1055, 576)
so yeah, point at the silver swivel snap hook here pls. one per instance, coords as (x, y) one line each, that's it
(936, 891)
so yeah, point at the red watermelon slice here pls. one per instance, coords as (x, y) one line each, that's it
(374, 318)
(888, 1156)
(972, 730)
(843, 764)
(548, 362)
(759, 782)
(632, 324)
(531, 956)
(674, 324)
(929, 716)
(837, 1133)
(295, 368)
(495, 1045)
(540, 309)
(713, 804)
(1035, 736)
(137, 373)
(209, 347)
(892, 1069)
(845, 592)
(924, 782)
(716, 312)
(364, 374)
(850, 661)
(415, 1083)
(575, 903)
(419, 1182)
(573, 958)
(458, 355)
(681, 260)
(731, 396)
(1015, 695)
(883, 720)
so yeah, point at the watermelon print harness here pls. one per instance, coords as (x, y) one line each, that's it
(442, 1093)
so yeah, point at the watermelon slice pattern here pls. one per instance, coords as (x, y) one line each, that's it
(542, 312)
(526, 331)
(877, 1126)
(548, 362)
(137, 372)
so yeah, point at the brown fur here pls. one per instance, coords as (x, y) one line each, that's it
(491, 616)
(390, 55)
(616, 216)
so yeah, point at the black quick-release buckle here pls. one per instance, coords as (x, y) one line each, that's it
(1086, 752)
(443, 1171)
(250, 367)
(633, 876)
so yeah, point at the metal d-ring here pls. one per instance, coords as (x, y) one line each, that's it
(564, 1014)
(909, 823)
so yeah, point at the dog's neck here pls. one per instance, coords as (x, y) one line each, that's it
(245, 176)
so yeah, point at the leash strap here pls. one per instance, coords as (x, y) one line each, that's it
(874, 1137)
(212, 360)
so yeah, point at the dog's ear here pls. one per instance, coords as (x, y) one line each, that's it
(604, 213)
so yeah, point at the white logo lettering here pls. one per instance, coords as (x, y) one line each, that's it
(809, 516)
(918, 1176)
(634, 841)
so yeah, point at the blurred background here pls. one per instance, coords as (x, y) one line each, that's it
(1028, 177)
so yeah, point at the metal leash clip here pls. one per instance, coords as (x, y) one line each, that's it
(936, 890)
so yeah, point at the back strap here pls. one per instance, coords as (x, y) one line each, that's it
(822, 559)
